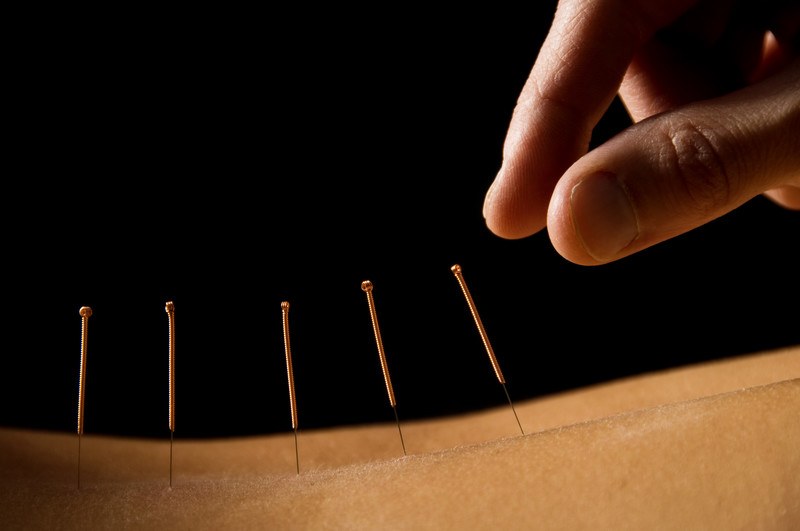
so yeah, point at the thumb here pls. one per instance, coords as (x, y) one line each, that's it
(678, 170)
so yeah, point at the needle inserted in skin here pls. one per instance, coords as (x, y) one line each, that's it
(170, 309)
(85, 313)
(456, 269)
(366, 286)
(290, 376)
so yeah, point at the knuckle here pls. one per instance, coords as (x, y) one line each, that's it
(692, 156)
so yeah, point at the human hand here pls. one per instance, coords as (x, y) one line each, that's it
(714, 90)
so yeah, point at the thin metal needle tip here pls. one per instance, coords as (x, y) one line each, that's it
(456, 269)
(79, 461)
(402, 441)
(513, 409)
(296, 454)
(367, 287)
(171, 440)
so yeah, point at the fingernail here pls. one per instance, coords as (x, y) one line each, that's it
(603, 216)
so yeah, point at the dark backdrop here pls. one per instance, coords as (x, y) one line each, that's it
(231, 161)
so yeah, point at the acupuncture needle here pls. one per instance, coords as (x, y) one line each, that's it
(170, 309)
(456, 269)
(290, 376)
(85, 312)
(366, 286)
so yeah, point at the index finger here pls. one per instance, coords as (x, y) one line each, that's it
(575, 77)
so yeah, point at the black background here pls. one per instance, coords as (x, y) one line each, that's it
(231, 161)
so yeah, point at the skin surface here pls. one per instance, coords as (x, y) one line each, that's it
(712, 87)
(699, 447)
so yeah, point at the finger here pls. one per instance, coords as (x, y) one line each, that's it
(674, 172)
(678, 67)
(681, 66)
(785, 196)
(572, 83)
(714, 49)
